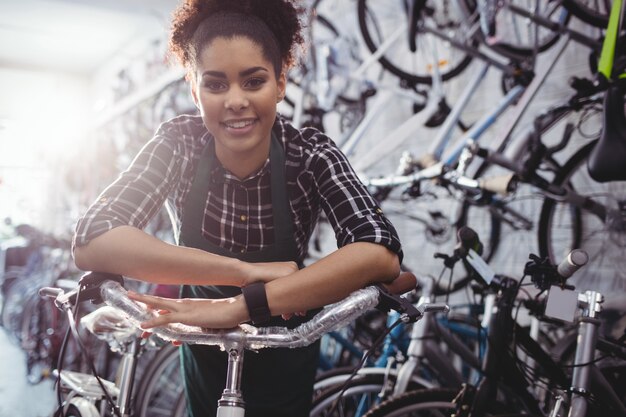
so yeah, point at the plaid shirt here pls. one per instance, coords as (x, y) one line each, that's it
(238, 213)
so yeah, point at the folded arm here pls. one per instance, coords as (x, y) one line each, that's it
(129, 251)
(329, 280)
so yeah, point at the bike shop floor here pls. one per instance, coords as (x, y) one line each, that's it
(17, 397)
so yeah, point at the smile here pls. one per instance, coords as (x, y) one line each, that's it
(239, 124)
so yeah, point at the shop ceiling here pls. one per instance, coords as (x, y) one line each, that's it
(75, 36)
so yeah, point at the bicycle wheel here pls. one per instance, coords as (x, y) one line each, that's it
(161, 385)
(487, 225)
(505, 224)
(384, 24)
(565, 226)
(435, 402)
(518, 36)
(41, 340)
(180, 410)
(13, 308)
(435, 216)
(594, 12)
(363, 392)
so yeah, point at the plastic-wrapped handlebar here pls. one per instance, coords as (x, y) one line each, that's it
(331, 317)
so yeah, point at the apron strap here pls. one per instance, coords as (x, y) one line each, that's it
(195, 203)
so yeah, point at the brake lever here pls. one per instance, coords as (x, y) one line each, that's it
(409, 313)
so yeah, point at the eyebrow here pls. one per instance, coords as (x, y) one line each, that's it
(244, 73)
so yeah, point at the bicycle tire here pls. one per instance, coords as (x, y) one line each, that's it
(592, 12)
(342, 95)
(518, 40)
(180, 410)
(378, 20)
(40, 338)
(361, 392)
(431, 402)
(161, 384)
(13, 309)
(563, 227)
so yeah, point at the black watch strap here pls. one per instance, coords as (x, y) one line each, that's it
(256, 302)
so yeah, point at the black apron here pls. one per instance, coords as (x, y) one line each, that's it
(275, 382)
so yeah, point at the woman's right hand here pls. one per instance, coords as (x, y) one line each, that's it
(269, 271)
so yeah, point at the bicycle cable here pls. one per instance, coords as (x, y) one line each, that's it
(72, 322)
(60, 363)
(359, 366)
(59, 369)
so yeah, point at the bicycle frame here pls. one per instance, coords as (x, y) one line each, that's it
(519, 96)
(85, 390)
(504, 330)
(565, 193)
(107, 287)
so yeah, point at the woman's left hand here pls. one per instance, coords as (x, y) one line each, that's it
(211, 313)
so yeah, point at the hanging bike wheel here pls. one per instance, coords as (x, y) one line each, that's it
(516, 34)
(423, 403)
(384, 26)
(594, 12)
(565, 226)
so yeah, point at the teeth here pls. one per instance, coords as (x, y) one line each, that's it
(240, 124)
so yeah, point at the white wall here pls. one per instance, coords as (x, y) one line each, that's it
(43, 118)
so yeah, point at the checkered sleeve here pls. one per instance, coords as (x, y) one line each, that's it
(137, 194)
(350, 208)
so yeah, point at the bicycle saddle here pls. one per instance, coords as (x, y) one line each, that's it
(607, 161)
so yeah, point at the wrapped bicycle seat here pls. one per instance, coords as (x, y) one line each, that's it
(608, 158)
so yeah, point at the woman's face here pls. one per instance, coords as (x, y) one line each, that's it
(236, 90)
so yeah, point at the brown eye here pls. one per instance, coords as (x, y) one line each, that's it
(255, 82)
(215, 86)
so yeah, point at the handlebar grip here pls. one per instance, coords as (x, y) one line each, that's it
(572, 263)
(468, 239)
(50, 292)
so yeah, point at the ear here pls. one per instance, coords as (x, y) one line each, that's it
(282, 85)
(193, 88)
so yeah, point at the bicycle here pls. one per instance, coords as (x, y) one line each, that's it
(89, 395)
(502, 372)
(418, 38)
(423, 364)
(108, 288)
(570, 199)
(582, 203)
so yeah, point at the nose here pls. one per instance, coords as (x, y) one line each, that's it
(236, 99)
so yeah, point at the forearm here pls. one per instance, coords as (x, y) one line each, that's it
(332, 278)
(328, 280)
(131, 252)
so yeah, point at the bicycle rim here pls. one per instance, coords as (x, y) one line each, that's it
(382, 21)
(564, 226)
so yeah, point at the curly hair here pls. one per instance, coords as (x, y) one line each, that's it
(279, 16)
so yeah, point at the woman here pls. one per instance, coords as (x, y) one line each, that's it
(244, 189)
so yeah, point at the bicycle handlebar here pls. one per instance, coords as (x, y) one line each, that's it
(330, 318)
